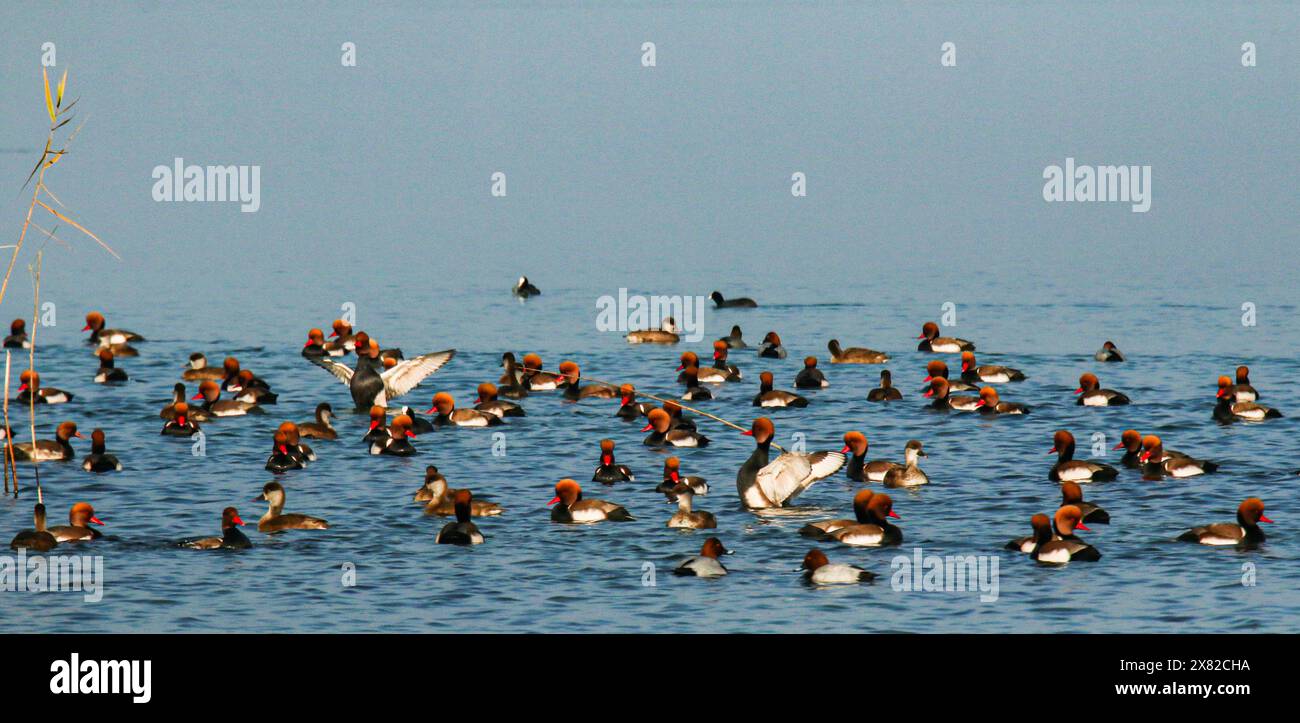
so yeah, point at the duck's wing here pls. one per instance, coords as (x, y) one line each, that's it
(785, 477)
(403, 377)
(342, 371)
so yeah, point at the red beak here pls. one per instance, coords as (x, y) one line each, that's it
(1117, 447)
(922, 336)
(333, 334)
(715, 354)
(681, 367)
(1079, 390)
(78, 435)
(96, 520)
(308, 343)
(927, 378)
(283, 450)
(430, 410)
(557, 499)
(23, 388)
(928, 393)
(1050, 451)
(86, 327)
(845, 450)
(980, 403)
(748, 433)
(410, 434)
(477, 400)
(1083, 527)
(236, 520)
(180, 421)
(197, 396)
(604, 459)
(1264, 519)
(965, 366)
(374, 424)
(674, 477)
(627, 400)
(1144, 455)
(1220, 393)
(894, 515)
(647, 428)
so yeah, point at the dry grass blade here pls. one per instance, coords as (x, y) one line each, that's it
(77, 226)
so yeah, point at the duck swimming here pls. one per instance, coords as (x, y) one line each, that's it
(609, 471)
(1227, 410)
(686, 517)
(858, 468)
(769, 397)
(487, 402)
(524, 288)
(1068, 548)
(886, 392)
(1108, 353)
(320, 428)
(181, 424)
(734, 340)
(462, 531)
(943, 401)
(771, 347)
(215, 406)
(738, 303)
(397, 442)
(99, 460)
(1092, 395)
(1157, 464)
(107, 337)
(276, 521)
(440, 500)
(932, 342)
(1068, 469)
(1042, 527)
(674, 477)
(873, 528)
(31, 384)
(663, 436)
(448, 415)
(231, 536)
(855, 354)
(706, 564)
(1072, 494)
(974, 373)
(665, 334)
(570, 508)
(198, 370)
(1245, 533)
(630, 408)
(80, 517)
(810, 377)
(818, 570)
(58, 449)
(17, 338)
(936, 368)
(990, 404)
(910, 475)
(38, 539)
(108, 373)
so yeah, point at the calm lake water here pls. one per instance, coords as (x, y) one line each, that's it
(924, 186)
(988, 477)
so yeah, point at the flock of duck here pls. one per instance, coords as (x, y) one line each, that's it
(380, 376)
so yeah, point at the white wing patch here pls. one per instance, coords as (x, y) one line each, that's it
(404, 377)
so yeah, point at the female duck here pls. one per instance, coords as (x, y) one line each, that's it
(199, 371)
(910, 475)
(275, 520)
(38, 539)
(99, 460)
(321, 428)
(665, 334)
(743, 302)
(570, 508)
(1109, 353)
(735, 340)
(855, 354)
(440, 500)
(686, 517)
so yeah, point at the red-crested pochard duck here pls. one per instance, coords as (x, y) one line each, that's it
(570, 508)
(535, 378)
(378, 429)
(989, 403)
(1072, 494)
(712, 375)
(320, 428)
(371, 382)
(1242, 391)
(818, 570)
(462, 531)
(524, 288)
(182, 424)
(230, 381)
(1069, 469)
(630, 408)
(275, 520)
(1245, 532)
(609, 471)
(397, 441)
(873, 528)
(215, 406)
(735, 340)
(855, 354)
(932, 342)
(487, 402)
(663, 435)
(858, 468)
(1156, 464)
(665, 334)
(686, 517)
(17, 338)
(107, 373)
(821, 528)
(1131, 442)
(769, 397)
(1068, 548)
(1227, 410)
(673, 476)
(107, 337)
(764, 483)
(694, 392)
(810, 377)
(910, 474)
(99, 460)
(341, 333)
(720, 352)
(939, 391)
(936, 368)
(198, 370)
(771, 346)
(706, 564)
(574, 390)
(1109, 353)
(439, 499)
(38, 539)
(1042, 527)
(58, 449)
(447, 414)
(742, 302)
(249, 391)
(283, 458)
(232, 538)
(31, 382)
(886, 392)
(80, 517)
(296, 445)
(1092, 395)
(975, 373)
(317, 346)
